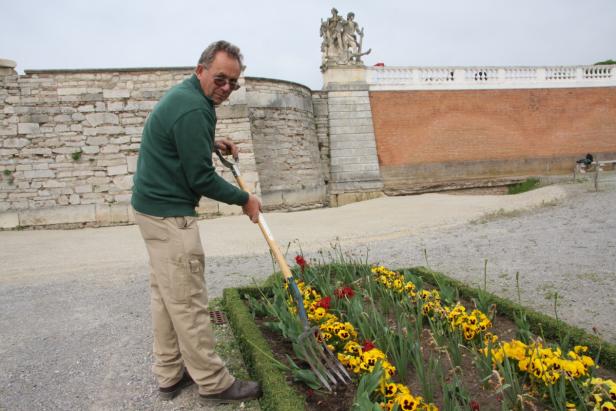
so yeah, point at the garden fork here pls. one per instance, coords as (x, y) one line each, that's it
(312, 347)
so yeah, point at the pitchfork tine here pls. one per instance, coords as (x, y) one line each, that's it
(325, 358)
(333, 364)
(313, 358)
(336, 366)
(316, 371)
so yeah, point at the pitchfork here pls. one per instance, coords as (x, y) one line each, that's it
(314, 350)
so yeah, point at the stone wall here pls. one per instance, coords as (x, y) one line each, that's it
(321, 121)
(69, 142)
(286, 144)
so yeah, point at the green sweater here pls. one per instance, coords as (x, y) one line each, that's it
(175, 166)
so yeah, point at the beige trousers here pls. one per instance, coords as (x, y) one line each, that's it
(180, 317)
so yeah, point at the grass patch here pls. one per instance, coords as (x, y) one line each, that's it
(497, 215)
(593, 277)
(501, 213)
(526, 185)
(76, 156)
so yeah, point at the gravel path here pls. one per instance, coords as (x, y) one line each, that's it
(75, 328)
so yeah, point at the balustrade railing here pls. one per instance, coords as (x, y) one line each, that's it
(409, 78)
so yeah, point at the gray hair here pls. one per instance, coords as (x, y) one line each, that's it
(208, 55)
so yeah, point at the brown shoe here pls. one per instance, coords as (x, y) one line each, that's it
(169, 393)
(238, 391)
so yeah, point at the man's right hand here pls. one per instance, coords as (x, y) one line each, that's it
(252, 208)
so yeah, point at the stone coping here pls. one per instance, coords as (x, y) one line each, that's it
(6, 63)
(132, 69)
(107, 70)
(278, 81)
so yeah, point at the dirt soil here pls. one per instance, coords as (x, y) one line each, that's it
(342, 398)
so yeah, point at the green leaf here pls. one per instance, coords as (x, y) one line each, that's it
(303, 375)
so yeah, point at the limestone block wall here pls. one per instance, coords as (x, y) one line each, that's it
(285, 143)
(69, 142)
(354, 166)
(321, 121)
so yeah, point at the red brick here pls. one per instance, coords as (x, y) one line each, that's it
(415, 127)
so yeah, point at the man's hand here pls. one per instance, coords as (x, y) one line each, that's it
(227, 147)
(252, 208)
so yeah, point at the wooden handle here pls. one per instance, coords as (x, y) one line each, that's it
(241, 183)
(284, 267)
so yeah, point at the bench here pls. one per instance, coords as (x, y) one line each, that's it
(596, 166)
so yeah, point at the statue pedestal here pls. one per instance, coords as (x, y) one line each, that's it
(354, 166)
(341, 75)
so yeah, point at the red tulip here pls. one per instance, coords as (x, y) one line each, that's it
(367, 346)
(344, 292)
(301, 262)
(324, 302)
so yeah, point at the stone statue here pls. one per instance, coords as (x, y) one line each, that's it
(342, 41)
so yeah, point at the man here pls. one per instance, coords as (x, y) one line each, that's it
(173, 171)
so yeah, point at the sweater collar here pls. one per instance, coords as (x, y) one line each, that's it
(194, 82)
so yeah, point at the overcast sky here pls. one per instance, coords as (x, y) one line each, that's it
(280, 38)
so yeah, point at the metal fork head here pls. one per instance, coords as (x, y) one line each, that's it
(321, 359)
(233, 166)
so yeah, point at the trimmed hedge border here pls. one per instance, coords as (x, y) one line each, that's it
(278, 395)
(540, 324)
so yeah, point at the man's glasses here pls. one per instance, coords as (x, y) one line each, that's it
(222, 81)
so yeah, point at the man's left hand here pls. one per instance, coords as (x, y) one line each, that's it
(227, 147)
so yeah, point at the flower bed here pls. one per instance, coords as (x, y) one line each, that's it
(413, 345)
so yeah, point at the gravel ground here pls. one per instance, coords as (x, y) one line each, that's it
(75, 328)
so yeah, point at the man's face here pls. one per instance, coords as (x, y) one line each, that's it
(218, 80)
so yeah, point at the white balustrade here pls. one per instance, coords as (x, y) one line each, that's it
(520, 73)
(480, 74)
(435, 75)
(598, 72)
(560, 73)
(452, 78)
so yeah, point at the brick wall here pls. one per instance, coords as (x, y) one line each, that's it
(430, 139)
